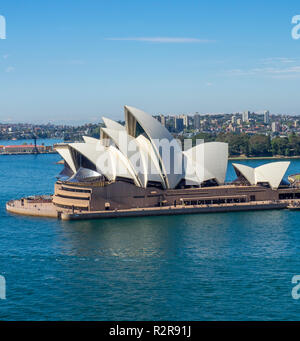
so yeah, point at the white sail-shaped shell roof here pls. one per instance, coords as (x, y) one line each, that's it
(271, 173)
(140, 154)
(93, 152)
(151, 163)
(65, 153)
(121, 166)
(246, 171)
(108, 161)
(89, 150)
(88, 139)
(110, 124)
(136, 151)
(207, 161)
(128, 147)
(157, 134)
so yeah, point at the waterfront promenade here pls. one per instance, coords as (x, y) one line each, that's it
(45, 208)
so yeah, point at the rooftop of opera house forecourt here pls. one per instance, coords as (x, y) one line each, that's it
(101, 178)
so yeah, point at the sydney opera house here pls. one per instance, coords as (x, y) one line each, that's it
(141, 165)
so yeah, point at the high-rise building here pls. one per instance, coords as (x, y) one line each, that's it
(197, 121)
(179, 125)
(245, 116)
(170, 124)
(275, 127)
(163, 120)
(185, 120)
(190, 121)
(267, 117)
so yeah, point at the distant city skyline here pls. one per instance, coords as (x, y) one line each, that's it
(160, 116)
(73, 62)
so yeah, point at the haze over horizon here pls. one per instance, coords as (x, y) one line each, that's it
(73, 62)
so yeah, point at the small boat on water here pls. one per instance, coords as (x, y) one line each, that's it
(294, 207)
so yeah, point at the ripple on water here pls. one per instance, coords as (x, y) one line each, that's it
(234, 266)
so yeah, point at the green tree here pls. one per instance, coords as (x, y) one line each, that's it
(259, 145)
(279, 145)
(294, 144)
(238, 143)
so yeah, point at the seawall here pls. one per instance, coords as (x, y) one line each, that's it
(49, 210)
(171, 210)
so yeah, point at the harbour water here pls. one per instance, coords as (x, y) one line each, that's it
(46, 142)
(226, 266)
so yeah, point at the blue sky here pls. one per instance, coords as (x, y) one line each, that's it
(74, 61)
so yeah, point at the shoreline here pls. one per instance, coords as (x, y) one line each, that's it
(241, 158)
(29, 153)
